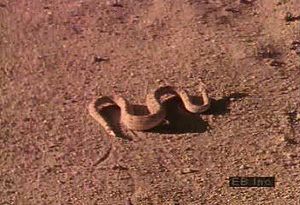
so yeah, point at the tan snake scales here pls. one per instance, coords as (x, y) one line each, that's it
(155, 104)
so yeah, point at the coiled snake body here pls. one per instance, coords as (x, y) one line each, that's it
(155, 104)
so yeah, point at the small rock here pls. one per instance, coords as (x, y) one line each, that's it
(242, 166)
(290, 155)
(206, 38)
(76, 28)
(287, 140)
(297, 117)
(128, 202)
(211, 118)
(246, 1)
(114, 3)
(289, 17)
(233, 10)
(188, 171)
(276, 63)
(295, 44)
(98, 59)
(26, 119)
(296, 47)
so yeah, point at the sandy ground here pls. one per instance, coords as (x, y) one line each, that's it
(57, 55)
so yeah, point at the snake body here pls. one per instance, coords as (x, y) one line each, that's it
(155, 104)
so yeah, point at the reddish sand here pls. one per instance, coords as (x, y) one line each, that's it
(55, 56)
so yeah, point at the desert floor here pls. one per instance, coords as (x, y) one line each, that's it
(56, 56)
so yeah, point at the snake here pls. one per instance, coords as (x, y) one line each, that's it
(155, 102)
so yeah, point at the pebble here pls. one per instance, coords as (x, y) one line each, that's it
(188, 170)
(115, 3)
(246, 1)
(98, 59)
(290, 155)
(298, 117)
(289, 17)
(243, 167)
(281, 138)
(128, 202)
(285, 139)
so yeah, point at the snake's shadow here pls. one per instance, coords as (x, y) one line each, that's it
(112, 114)
(221, 106)
(179, 120)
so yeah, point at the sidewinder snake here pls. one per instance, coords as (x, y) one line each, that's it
(155, 104)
